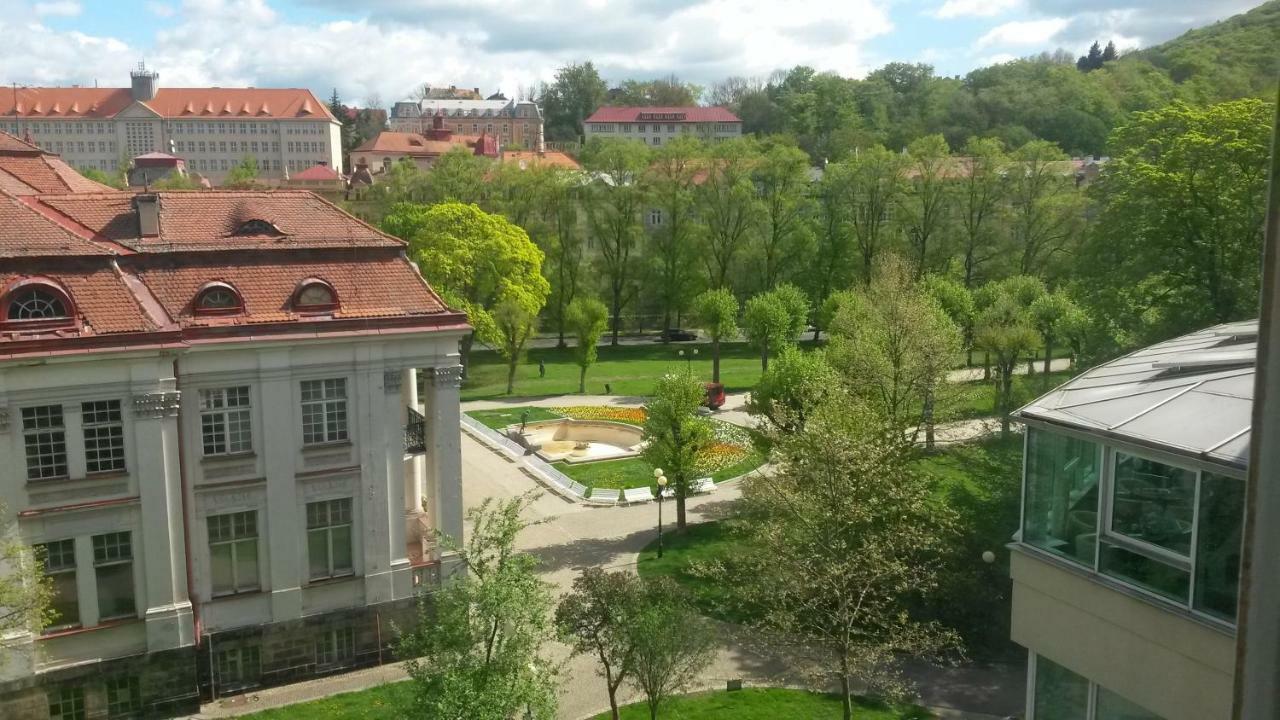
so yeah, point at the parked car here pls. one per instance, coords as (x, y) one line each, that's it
(678, 335)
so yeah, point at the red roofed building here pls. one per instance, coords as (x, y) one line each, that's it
(27, 170)
(656, 125)
(211, 424)
(381, 152)
(212, 128)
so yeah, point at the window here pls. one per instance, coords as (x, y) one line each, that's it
(1111, 706)
(103, 436)
(1059, 693)
(218, 299)
(60, 567)
(124, 697)
(1149, 537)
(45, 441)
(36, 303)
(324, 411)
(233, 553)
(315, 295)
(657, 140)
(655, 217)
(336, 647)
(113, 566)
(329, 538)
(237, 667)
(1061, 511)
(1219, 536)
(66, 704)
(224, 420)
(257, 227)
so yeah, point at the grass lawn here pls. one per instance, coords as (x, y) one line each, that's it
(962, 401)
(382, 702)
(501, 418)
(635, 472)
(767, 704)
(698, 543)
(628, 369)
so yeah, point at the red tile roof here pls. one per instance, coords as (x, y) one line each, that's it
(414, 144)
(105, 103)
(526, 158)
(26, 170)
(24, 232)
(316, 172)
(691, 114)
(104, 303)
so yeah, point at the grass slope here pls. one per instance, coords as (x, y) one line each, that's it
(381, 702)
(767, 704)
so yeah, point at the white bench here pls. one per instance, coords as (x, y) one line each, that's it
(637, 495)
(603, 496)
(577, 488)
(704, 485)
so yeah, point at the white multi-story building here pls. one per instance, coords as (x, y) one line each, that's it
(1126, 571)
(516, 123)
(656, 125)
(212, 423)
(286, 130)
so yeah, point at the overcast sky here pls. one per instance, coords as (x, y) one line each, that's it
(382, 49)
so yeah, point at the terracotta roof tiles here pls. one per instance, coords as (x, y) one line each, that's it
(105, 103)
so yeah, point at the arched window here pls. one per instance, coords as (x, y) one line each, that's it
(37, 303)
(314, 294)
(257, 227)
(218, 298)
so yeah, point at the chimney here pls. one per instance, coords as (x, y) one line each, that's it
(147, 205)
(144, 83)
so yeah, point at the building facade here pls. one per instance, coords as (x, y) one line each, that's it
(229, 421)
(1126, 568)
(379, 153)
(212, 129)
(513, 122)
(656, 125)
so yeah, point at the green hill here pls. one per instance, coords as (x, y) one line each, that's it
(1233, 58)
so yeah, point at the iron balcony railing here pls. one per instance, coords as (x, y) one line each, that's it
(415, 433)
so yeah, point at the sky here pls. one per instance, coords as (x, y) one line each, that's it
(379, 51)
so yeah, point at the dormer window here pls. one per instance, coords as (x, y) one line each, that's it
(257, 227)
(37, 303)
(313, 295)
(218, 299)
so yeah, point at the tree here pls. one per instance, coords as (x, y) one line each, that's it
(875, 186)
(1092, 61)
(1049, 312)
(676, 434)
(830, 267)
(717, 312)
(516, 324)
(573, 95)
(26, 593)
(474, 260)
(114, 181)
(927, 195)
(1047, 206)
(851, 534)
(1006, 330)
(1109, 53)
(459, 176)
(243, 174)
(893, 347)
(795, 384)
(597, 617)
(957, 302)
(586, 318)
(477, 650)
(727, 206)
(671, 643)
(667, 91)
(784, 237)
(1176, 242)
(613, 203)
(562, 243)
(671, 184)
(980, 198)
(769, 321)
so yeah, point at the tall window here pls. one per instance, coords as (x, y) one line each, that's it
(324, 410)
(233, 553)
(124, 697)
(1059, 693)
(45, 441)
(66, 704)
(1149, 540)
(329, 538)
(1061, 511)
(113, 567)
(1219, 539)
(336, 647)
(224, 420)
(60, 568)
(237, 667)
(103, 436)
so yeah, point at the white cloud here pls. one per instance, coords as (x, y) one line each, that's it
(60, 8)
(975, 8)
(1023, 32)
(160, 9)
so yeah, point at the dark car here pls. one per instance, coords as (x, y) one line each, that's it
(678, 335)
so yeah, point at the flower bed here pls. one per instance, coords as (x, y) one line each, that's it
(632, 416)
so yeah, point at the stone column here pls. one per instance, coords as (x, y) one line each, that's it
(161, 544)
(444, 450)
(284, 519)
(415, 466)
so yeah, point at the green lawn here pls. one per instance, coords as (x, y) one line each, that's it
(767, 704)
(975, 399)
(499, 419)
(635, 472)
(698, 543)
(381, 702)
(628, 369)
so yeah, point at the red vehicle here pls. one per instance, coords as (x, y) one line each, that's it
(714, 395)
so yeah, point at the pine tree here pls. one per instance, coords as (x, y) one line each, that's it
(1110, 53)
(1092, 61)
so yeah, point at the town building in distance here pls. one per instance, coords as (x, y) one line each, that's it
(379, 153)
(656, 125)
(212, 129)
(1126, 570)
(229, 421)
(513, 122)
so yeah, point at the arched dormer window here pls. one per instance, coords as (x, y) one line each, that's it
(314, 295)
(37, 303)
(217, 298)
(257, 227)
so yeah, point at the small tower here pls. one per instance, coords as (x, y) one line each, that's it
(144, 83)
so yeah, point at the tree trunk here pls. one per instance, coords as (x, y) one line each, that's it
(986, 366)
(666, 325)
(927, 416)
(582, 379)
(680, 516)
(617, 313)
(1048, 355)
(764, 359)
(613, 695)
(1006, 395)
(653, 710)
(846, 692)
(715, 359)
(511, 373)
(464, 353)
(816, 332)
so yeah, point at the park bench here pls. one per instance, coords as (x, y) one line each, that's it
(704, 485)
(637, 495)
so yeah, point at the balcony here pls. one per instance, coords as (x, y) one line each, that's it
(415, 433)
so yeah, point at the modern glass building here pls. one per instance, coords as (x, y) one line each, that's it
(1126, 568)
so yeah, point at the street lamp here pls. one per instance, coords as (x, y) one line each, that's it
(661, 479)
(688, 358)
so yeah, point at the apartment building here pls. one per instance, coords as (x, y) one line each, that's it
(212, 129)
(379, 153)
(1127, 565)
(656, 125)
(513, 122)
(212, 425)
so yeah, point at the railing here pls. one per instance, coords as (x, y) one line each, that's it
(415, 433)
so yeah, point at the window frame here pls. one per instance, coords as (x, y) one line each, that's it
(329, 504)
(225, 411)
(70, 694)
(128, 707)
(233, 541)
(197, 303)
(61, 468)
(336, 648)
(314, 282)
(330, 430)
(63, 569)
(94, 463)
(115, 562)
(37, 284)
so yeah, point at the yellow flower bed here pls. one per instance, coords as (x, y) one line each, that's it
(731, 445)
(720, 455)
(634, 416)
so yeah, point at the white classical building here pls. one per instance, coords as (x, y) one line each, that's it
(212, 422)
(287, 130)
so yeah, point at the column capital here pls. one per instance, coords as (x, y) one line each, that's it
(447, 376)
(156, 404)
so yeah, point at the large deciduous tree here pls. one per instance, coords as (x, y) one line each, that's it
(796, 383)
(717, 312)
(572, 96)
(774, 319)
(676, 434)
(927, 197)
(727, 206)
(672, 252)
(979, 202)
(516, 325)
(672, 643)
(613, 201)
(587, 319)
(875, 186)
(26, 593)
(597, 617)
(474, 260)
(1006, 330)
(784, 237)
(1046, 206)
(831, 265)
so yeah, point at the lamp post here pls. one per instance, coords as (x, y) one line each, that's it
(661, 479)
(688, 358)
